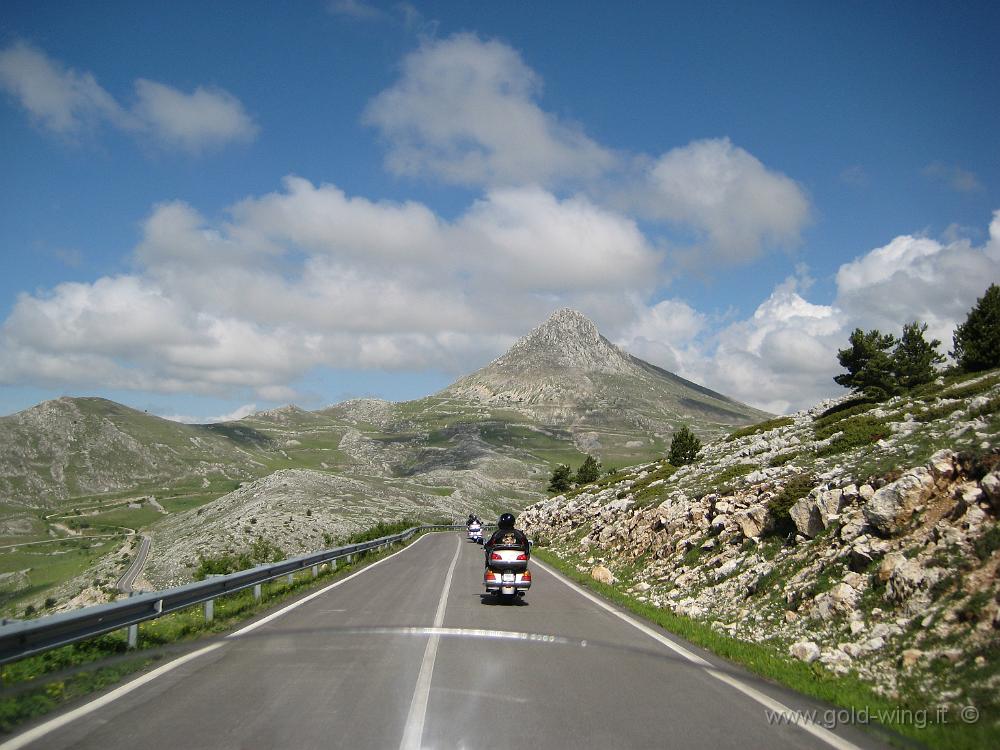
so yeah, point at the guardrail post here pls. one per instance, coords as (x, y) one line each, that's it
(133, 636)
(256, 592)
(209, 610)
(291, 579)
(315, 570)
(350, 559)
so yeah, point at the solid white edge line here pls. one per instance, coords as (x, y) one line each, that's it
(50, 726)
(413, 730)
(41, 730)
(795, 718)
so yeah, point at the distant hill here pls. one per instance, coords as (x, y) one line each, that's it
(72, 447)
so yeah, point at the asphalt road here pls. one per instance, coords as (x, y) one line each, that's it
(127, 581)
(410, 653)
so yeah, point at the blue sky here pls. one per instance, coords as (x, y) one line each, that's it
(208, 210)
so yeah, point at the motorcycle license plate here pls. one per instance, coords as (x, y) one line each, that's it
(508, 577)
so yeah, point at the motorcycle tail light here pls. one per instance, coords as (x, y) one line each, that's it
(522, 556)
(495, 556)
(490, 576)
(526, 576)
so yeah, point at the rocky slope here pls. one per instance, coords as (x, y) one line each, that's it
(863, 539)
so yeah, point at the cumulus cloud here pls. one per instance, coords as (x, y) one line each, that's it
(738, 205)
(310, 277)
(69, 102)
(465, 110)
(62, 100)
(194, 121)
(783, 356)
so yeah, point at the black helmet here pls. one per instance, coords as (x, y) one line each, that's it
(506, 521)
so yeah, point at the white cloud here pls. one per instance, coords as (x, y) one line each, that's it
(68, 102)
(919, 278)
(309, 277)
(194, 121)
(783, 356)
(465, 111)
(738, 205)
(63, 100)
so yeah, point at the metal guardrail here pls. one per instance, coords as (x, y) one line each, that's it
(21, 639)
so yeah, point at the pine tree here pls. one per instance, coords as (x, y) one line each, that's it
(589, 471)
(684, 447)
(869, 365)
(914, 358)
(560, 481)
(977, 340)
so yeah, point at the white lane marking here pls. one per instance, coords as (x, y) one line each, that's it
(304, 599)
(413, 732)
(43, 729)
(794, 717)
(50, 726)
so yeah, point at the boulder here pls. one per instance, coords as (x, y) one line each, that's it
(829, 503)
(602, 575)
(752, 522)
(841, 599)
(892, 506)
(942, 464)
(909, 578)
(991, 489)
(853, 523)
(806, 516)
(806, 651)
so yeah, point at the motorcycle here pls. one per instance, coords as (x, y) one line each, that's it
(507, 575)
(475, 532)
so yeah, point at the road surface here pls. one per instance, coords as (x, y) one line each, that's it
(410, 653)
(127, 581)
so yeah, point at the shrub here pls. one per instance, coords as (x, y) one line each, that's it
(771, 424)
(857, 432)
(261, 551)
(684, 447)
(794, 490)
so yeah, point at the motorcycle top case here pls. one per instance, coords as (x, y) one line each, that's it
(508, 562)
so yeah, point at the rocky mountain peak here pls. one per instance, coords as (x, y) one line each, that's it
(567, 340)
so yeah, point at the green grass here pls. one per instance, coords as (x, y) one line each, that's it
(772, 663)
(858, 431)
(137, 518)
(771, 424)
(732, 472)
(49, 569)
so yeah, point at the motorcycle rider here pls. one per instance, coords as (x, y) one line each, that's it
(506, 537)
